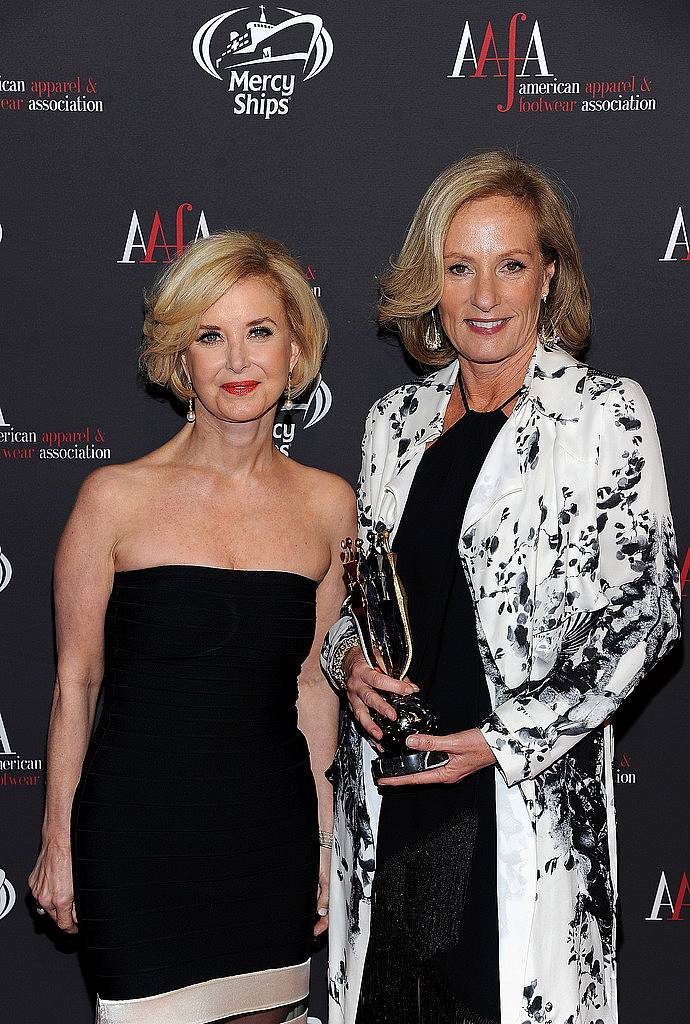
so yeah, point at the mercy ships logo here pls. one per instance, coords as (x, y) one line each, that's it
(257, 60)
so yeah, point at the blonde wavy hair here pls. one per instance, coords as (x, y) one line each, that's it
(413, 286)
(173, 306)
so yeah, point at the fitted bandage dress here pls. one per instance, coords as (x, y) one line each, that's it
(194, 824)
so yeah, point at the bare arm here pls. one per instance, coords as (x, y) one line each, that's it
(317, 703)
(82, 583)
(343, 663)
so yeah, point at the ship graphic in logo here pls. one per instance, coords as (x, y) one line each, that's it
(299, 37)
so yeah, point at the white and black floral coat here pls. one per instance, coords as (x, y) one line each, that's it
(568, 546)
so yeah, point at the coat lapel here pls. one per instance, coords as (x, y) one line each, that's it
(421, 420)
(499, 476)
(502, 542)
(552, 388)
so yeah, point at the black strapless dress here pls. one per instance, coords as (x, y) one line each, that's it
(194, 824)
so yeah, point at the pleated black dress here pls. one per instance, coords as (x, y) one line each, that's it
(194, 824)
(433, 949)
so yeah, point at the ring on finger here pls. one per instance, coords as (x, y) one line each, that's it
(39, 909)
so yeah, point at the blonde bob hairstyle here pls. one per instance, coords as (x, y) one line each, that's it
(206, 269)
(413, 287)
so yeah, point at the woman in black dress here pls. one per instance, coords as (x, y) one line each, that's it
(182, 837)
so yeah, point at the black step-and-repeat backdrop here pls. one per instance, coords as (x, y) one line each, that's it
(130, 129)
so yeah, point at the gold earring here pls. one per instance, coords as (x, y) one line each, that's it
(433, 339)
(288, 403)
(548, 340)
(191, 415)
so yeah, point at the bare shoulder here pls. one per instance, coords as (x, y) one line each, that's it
(332, 489)
(329, 488)
(329, 497)
(113, 497)
(109, 488)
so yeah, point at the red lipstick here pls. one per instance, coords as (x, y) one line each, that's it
(240, 387)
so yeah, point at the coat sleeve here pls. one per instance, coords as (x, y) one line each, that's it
(342, 633)
(604, 654)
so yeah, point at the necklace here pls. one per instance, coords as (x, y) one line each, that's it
(461, 386)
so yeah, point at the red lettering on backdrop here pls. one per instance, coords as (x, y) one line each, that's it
(663, 898)
(179, 230)
(484, 54)
(152, 245)
(488, 54)
(680, 899)
(488, 41)
(685, 572)
(512, 34)
(157, 229)
(157, 239)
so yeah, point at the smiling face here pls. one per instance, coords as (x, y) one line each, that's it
(494, 278)
(240, 358)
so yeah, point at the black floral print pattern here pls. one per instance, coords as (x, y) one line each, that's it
(569, 550)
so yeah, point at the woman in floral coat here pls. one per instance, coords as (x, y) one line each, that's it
(485, 890)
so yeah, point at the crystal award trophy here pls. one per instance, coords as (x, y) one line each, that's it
(378, 608)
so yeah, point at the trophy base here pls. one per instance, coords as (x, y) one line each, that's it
(392, 766)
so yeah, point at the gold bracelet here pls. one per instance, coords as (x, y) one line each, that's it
(345, 645)
(325, 839)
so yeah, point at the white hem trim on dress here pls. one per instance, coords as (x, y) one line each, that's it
(211, 1000)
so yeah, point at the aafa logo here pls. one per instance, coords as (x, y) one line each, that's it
(678, 237)
(532, 60)
(156, 247)
(663, 898)
(5, 570)
(246, 56)
(8, 896)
